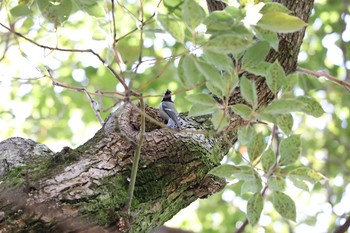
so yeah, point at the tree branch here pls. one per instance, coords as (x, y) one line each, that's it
(120, 79)
(343, 228)
(319, 74)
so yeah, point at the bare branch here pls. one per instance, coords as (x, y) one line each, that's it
(319, 74)
(120, 79)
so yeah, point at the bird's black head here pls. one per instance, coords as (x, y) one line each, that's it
(167, 96)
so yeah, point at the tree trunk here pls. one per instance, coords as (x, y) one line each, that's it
(85, 189)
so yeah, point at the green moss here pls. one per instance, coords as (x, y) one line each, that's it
(15, 177)
(112, 197)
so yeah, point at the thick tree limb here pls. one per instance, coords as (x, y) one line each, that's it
(74, 190)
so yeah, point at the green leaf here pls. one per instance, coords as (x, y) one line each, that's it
(284, 205)
(220, 120)
(299, 184)
(228, 43)
(254, 207)
(256, 146)
(172, 26)
(268, 159)
(275, 77)
(214, 88)
(95, 9)
(276, 183)
(251, 186)
(217, 59)
(242, 110)
(230, 81)
(251, 183)
(255, 54)
(258, 68)
(248, 91)
(209, 71)
(224, 170)
(306, 174)
(273, 7)
(268, 36)
(199, 110)
(203, 99)
(311, 106)
(20, 10)
(289, 150)
(218, 21)
(192, 14)
(267, 117)
(290, 82)
(55, 12)
(283, 106)
(245, 134)
(285, 123)
(246, 173)
(214, 82)
(188, 72)
(280, 22)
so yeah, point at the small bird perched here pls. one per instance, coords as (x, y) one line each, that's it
(167, 110)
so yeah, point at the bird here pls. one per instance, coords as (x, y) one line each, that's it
(167, 110)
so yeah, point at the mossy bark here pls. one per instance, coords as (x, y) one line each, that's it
(85, 189)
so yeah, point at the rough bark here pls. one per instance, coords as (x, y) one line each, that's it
(85, 189)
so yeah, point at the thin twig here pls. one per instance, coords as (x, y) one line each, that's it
(95, 107)
(120, 79)
(136, 160)
(114, 27)
(319, 74)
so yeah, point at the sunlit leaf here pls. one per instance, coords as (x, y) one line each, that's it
(245, 134)
(275, 77)
(217, 59)
(284, 205)
(188, 72)
(203, 99)
(220, 120)
(268, 159)
(273, 7)
(242, 110)
(268, 36)
(311, 106)
(20, 10)
(172, 26)
(251, 184)
(290, 82)
(276, 183)
(306, 174)
(280, 22)
(299, 184)
(192, 13)
(217, 21)
(199, 110)
(228, 43)
(224, 170)
(255, 54)
(282, 106)
(285, 123)
(289, 150)
(248, 91)
(256, 146)
(254, 207)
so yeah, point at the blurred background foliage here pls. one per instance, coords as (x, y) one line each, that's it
(32, 107)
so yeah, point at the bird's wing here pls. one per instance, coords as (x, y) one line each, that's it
(171, 113)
